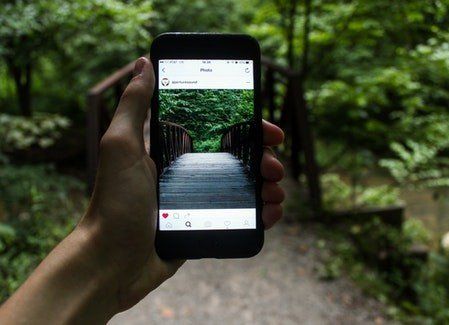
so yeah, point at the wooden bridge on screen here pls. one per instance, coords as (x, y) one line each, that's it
(283, 105)
(192, 180)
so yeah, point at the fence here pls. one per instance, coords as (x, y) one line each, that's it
(284, 106)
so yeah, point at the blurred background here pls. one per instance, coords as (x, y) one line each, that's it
(361, 88)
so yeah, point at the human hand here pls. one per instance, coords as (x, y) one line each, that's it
(123, 208)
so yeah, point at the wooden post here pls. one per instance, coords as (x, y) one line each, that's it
(172, 143)
(177, 143)
(166, 140)
(270, 94)
(247, 143)
(93, 137)
(308, 145)
(290, 110)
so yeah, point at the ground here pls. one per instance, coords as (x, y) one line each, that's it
(278, 286)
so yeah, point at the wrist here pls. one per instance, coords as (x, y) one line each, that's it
(71, 284)
(102, 248)
(88, 267)
(76, 270)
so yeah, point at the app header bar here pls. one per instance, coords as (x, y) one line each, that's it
(206, 74)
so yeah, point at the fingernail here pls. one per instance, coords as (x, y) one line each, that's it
(138, 67)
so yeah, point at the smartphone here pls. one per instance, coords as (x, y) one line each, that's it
(206, 141)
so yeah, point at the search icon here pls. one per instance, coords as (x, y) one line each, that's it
(188, 224)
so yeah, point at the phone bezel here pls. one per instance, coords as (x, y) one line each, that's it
(209, 243)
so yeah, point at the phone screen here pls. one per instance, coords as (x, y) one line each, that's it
(206, 126)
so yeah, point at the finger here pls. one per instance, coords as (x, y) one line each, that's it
(271, 168)
(271, 214)
(272, 134)
(272, 193)
(135, 101)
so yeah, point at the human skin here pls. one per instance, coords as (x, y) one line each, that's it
(109, 263)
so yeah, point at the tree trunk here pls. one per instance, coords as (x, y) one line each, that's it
(306, 40)
(291, 33)
(22, 81)
(311, 167)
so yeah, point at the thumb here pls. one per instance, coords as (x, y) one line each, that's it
(135, 101)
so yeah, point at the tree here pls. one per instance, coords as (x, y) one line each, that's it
(75, 36)
(206, 113)
(28, 31)
(199, 16)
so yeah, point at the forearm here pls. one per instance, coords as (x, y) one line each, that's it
(69, 286)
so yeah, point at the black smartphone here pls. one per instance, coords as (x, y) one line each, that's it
(206, 141)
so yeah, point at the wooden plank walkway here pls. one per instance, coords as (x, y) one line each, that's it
(206, 181)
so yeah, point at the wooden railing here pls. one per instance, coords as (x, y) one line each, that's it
(101, 100)
(175, 141)
(237, 141)
(282, 105)
(285, 105)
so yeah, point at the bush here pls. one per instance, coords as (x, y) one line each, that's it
(338, 195)
(432, 290)
(377, 256)
(42, 130)
(38, 207)
(419, 164)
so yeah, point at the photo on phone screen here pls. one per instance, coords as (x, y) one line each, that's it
(206, 124)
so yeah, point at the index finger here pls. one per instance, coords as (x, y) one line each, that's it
(272, 134)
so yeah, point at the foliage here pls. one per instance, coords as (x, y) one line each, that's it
(422, 162)
(338, 195)
(58, 43)
(433, 291)
(37, 209)
(208, 15)
(335, 191)
(206, 113)
(376, 88)
(367, 105)
(375, 83)
(414, 231)
(418, 164)
(367, 72)
(377, 257)
(17, 132)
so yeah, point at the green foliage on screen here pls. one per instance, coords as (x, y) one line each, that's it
(206, 113)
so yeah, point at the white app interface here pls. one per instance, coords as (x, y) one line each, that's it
(206, 118)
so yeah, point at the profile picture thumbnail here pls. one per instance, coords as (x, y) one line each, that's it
(165, 82)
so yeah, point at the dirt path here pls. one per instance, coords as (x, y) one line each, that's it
(279, 286)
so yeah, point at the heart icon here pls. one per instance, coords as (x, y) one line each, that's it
(165, 215)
